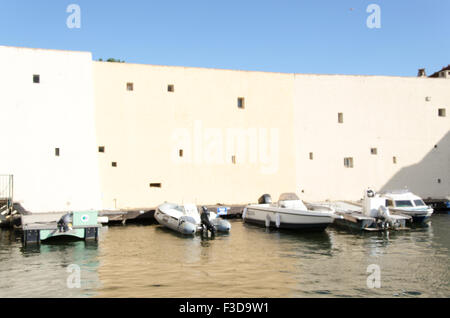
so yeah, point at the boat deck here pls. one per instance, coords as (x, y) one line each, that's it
(46, 221)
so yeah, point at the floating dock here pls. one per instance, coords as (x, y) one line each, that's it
(353, 218)
(40, 227)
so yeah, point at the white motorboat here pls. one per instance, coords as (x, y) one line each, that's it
(407, 203)
(372, 215)
(186, 219)
(288, 213)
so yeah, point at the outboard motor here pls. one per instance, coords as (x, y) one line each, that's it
(372, 203)
(65, 223)
(204, 217)
(265, 199)
(375, 207)
(384, 212)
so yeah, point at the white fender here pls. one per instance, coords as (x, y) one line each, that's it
(267, 220)
(278, 220)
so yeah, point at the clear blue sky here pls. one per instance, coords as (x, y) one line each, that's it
(302, 36)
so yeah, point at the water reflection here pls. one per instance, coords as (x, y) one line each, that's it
(41, 270)
(251, 261)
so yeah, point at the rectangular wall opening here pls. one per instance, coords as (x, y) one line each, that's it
(130, 86)
(36, 79)
(340, 118)
(348, 162)
(155, 185)
(241, 102)
(442, 112)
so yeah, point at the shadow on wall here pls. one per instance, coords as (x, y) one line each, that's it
(430, 178)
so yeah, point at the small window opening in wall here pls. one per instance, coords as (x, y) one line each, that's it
(428, 98)
(340, 118)
(171, 88)
(439, 180)
(442, 112)
(114, 164)
(155, 185)
(36, 79)
(181, 152)
(348, 162)
(374, 151)
(130, 86)
(233, 159)
(435, 146)
(101, 149)
(57, 152)
(311, 156)
(394, 160)
(241, 102)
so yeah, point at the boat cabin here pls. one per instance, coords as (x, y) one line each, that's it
(404, 200)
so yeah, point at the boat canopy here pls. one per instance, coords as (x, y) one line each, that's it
(289, 197)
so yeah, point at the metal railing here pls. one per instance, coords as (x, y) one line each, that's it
(6, 192)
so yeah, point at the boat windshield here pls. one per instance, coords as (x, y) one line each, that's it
(419, 203)
(403, 204)
(288, 197)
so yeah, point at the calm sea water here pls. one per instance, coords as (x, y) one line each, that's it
(150, 261)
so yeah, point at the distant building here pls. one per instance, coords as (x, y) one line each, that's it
(81, 134)
(444, 73)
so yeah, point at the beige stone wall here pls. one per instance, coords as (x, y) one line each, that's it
(387, 113)
(140, 131)
(80, 105)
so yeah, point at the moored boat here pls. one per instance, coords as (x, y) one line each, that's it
(407, 203)
(186, 219)
(288, 213)
(373, 215)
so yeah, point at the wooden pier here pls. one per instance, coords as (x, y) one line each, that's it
(148, 214)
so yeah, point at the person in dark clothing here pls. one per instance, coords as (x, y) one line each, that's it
(65, 223)
(204, 216)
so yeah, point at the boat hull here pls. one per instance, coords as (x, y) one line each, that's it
(355, 223)
(287, 219)
(421, 219)
(187, 225)
(179, 225)
(416, 216)
(290, 226)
